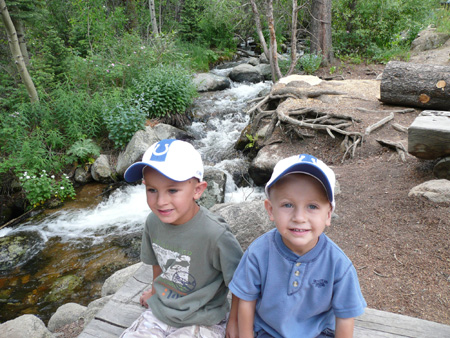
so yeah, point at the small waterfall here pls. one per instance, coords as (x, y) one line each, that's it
(82, 241)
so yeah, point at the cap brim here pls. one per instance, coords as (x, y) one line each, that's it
(309, 169)
(134, 172)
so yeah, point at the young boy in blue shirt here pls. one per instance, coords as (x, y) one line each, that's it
(294, 281)
(192, 251)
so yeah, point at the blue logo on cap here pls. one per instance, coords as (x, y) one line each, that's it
(307, 158)
(161, 149)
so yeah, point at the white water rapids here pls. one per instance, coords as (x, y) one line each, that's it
(221, 118)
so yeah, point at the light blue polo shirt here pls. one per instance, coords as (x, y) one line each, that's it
(297, 296)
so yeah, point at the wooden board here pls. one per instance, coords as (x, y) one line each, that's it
(124, 308)
(376, 323)
(429, 135)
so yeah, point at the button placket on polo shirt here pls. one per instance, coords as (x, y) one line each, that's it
(296, 277)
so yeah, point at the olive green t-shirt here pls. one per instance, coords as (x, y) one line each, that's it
(198, 260)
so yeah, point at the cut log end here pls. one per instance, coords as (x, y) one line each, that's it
(424, 98)
(441, 84)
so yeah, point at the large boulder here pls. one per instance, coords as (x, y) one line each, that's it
(66, 314)
(142, 140)
(429, 39)
(101, 170)
(215, 191)
(262, 165)
(435, 190)
(207, 82)
(25, 326)
(247, 220)
(265, 70)
(116, 280)
(246, 73)
(19, 248)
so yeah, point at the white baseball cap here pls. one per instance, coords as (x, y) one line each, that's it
(305, 164)
(177, 160)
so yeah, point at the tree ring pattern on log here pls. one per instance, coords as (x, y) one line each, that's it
(424, 98)
(441, 84)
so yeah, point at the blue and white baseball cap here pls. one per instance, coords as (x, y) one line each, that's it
(177, 160)
(305, 164)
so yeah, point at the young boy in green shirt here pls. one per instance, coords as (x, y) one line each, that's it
(192, 251)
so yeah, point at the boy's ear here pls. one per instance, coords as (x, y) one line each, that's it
(269, 208)
(330, 212)
(199, 189)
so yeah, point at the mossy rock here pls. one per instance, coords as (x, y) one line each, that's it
(19, 248)
(62, 287)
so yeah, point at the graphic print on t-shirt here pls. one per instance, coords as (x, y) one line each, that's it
(175, 270)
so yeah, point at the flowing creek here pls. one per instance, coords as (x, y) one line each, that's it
(78, 246)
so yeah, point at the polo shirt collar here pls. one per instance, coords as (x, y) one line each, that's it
(288, 254)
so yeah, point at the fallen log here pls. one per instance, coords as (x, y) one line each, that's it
(416, 85)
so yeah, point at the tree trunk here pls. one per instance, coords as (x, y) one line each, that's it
(294, 59)
(151, 5)
(276, 73)
(21, 37)
(17, 54)
(321, 30)
(416, 85)
(259, 29)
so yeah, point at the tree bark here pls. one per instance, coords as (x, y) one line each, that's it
(416, 85)
(17, 54)
(151, 5)
(21, 37)
(276, 73)
(294, 20)
(259, 29)
(321, 30)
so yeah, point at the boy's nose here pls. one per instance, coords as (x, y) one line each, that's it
(299, 215)
(162, 199)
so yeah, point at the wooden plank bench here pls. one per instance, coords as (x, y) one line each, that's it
(124, 308)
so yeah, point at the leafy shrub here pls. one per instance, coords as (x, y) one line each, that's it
(395, 22)
(124, 120)
(84, 151)
(39, 188)
(165, 89)
(75, 112)
(310, 62)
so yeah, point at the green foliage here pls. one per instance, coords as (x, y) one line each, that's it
(77, 113)
(252, 141)
(124, 120)
(441, 17)
(39, 187)
(165, 89)
(395, 22)
(49, 60)
(94, 25)
(84, 151)
(310, 63)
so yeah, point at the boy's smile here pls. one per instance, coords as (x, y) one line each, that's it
(300, 209)
(173, 202)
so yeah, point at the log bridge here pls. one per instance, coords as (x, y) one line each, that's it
(124, 308)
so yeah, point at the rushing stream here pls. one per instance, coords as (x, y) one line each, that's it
(77, 247)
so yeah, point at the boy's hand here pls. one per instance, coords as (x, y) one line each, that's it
(145, 296)
(232, 329)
